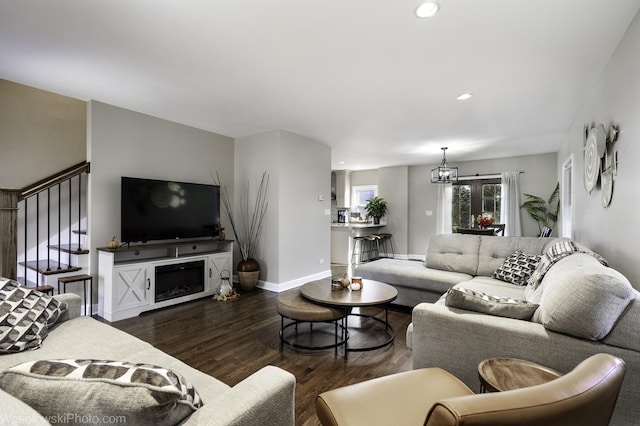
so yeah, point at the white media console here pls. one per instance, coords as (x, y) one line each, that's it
(140, 278)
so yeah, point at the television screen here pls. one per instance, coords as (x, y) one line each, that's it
(163, 210)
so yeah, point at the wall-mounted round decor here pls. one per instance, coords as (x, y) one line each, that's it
(607, 188)
(606, 180)
(601, 140)
(591, 161)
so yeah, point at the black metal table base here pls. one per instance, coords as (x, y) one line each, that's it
(391, 335)
(338, 341)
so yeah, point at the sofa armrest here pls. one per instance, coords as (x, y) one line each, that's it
(73, 302)
(265, 397)
(457, 340)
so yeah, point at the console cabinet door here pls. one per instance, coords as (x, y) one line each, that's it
(218, 263)
(132, 286)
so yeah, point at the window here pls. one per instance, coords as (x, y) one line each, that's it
(360, 194)
(472, 198)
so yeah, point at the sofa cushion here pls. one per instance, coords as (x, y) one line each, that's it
(142, 393)
(25, 316)
(463, 298)
(453, 252)
(411, 274)
(625, 333)
(517, 268)
(582, 297)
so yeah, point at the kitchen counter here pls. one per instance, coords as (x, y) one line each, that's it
(355, 225)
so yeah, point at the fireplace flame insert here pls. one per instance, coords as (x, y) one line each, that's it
(180, 279)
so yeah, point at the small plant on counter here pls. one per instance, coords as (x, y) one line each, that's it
(376, 208)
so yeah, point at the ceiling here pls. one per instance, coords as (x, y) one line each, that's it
(365, 77)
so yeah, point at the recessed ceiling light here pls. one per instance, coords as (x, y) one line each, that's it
(464, 96)
(427, 9)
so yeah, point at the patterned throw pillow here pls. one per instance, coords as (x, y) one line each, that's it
(463, 298)
(25, 316)
(517, 268)
(92, 389)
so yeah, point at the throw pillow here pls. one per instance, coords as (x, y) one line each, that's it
(582, 298)
(554, 253)
(476, 301)
(517, 268)
(25, 316)
(92, 389)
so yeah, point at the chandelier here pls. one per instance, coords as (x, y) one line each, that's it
(444, 173)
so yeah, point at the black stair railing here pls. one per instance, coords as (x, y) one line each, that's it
(52, 209)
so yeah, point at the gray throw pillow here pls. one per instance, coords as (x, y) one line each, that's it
(517, 268)
(583, 298)
(476, 301)
(25, 316)
(89, 391)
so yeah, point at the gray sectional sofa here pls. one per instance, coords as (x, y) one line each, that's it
(265, 397)
(580, 307)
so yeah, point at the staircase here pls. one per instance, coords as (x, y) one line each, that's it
(45, 227)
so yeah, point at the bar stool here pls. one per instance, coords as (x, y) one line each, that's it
(365, 248)
(84, 278)
(382, 241)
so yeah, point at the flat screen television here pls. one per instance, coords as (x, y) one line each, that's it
(163, 210)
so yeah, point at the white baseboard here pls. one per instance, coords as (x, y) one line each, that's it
(266, 285)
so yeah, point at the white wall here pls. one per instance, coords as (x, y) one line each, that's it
(42, 134)
(393, 186)
(127, 143)
(411, 194)
(305, 230)
(297, 231)
(612, 231)
(253, 156)
(539, 178)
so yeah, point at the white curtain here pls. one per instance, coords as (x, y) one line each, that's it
(510, 207)
(443, 215)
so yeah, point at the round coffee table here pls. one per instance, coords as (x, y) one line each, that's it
(503, 374)
(373, 293)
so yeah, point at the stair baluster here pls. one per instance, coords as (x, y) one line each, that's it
(59, 224)
(44, 266)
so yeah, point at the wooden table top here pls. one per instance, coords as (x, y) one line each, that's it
(372, 293)
(502, 374)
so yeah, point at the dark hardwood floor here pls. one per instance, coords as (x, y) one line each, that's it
(231, 340)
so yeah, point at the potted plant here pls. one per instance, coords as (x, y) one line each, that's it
(543, 212)
(376, 208)
(247, 227)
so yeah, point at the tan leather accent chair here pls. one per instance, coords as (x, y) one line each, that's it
(433, 397)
